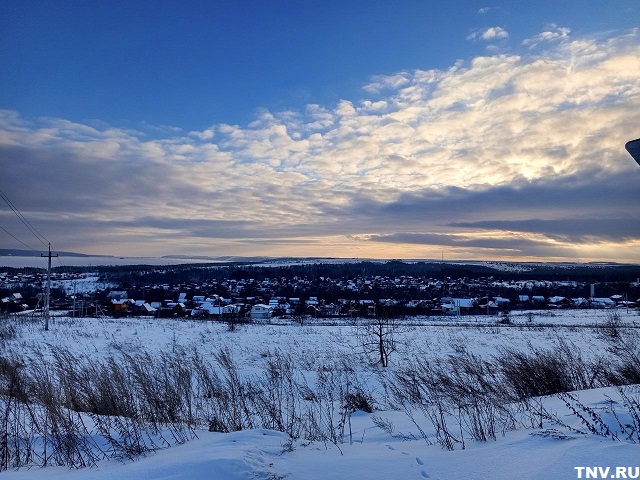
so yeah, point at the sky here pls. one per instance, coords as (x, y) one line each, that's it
(369, 129)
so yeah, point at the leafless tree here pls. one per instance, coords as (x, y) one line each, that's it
(378, 336)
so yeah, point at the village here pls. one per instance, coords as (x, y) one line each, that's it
(262, 294)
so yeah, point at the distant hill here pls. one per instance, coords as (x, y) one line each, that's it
(12, 252)
(223, 258)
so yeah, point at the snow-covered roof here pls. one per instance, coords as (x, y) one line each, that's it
(557, 299)
(149, 308)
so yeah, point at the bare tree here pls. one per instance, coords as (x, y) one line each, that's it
(378, 336)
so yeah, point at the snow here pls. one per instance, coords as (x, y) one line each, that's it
(233, 456)
(550, 452)
(262, 454)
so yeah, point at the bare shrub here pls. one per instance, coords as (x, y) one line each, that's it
(233, 402)
(277, 398)
(612, 326)
(8, 330)
(534, 374)
(630, 427)
(625, 347)
(358, 401)
(617, 420)
(583, 374)
(461, 396)
(139, 402)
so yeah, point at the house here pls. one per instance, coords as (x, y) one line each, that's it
(626, 304)
(261, 312)
(559, 302)
(489, 306)
(312, 301)
(12, 304)
(140, 307)
(279, 305)
(148, 308)
(366, 302)
(456, 306)
(274, 302)
(502, 302)
(117, 295)
(602, 303)
(198, 299)
(523, 299)
(330, 310)
(580, 302)
(219, 311)
(120, 305)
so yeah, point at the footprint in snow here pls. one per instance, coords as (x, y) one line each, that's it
(389, 447)
(422, 472)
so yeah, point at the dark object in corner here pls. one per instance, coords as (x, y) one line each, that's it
(633, 147)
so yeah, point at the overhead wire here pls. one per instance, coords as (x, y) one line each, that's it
(16, 238)
(41, 238)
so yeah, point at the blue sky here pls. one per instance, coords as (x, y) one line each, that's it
(191, 64)
(352, 128)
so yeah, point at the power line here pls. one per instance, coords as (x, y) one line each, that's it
(25, 222)
(42, 240)
(16, 238)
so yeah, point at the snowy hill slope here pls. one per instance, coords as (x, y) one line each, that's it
(590, 428)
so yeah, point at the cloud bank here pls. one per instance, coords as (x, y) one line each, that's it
(512, 156)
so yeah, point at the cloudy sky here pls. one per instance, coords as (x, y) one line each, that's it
(404, 129)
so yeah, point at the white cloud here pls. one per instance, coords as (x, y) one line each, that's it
(387, 82)
(493, 33)
(207, 134)
(485, 124)
(552, 34)
(345, 109)
(489, 34)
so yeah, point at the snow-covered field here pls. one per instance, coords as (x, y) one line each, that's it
(554, 449)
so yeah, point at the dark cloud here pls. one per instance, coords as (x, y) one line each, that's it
(72, 197)
(519, 244)
(60, 180)
(515, 247)
(595, 204)
(568, 229)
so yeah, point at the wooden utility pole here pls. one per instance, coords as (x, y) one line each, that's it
(48, 297)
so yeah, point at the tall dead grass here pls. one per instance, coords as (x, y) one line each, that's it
(75, 409)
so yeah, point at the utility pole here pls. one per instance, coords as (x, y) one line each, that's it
(75, 294)
(48, 297)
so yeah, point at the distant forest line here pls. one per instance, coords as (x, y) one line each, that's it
(578, 272)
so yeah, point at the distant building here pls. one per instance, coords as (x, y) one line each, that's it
(261, 312)
(602, 303)
(502, 302)
(117, 295)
